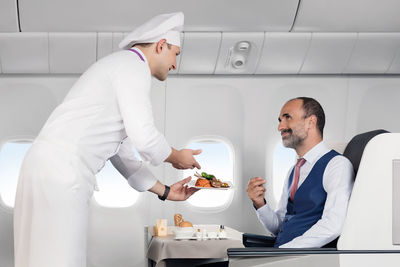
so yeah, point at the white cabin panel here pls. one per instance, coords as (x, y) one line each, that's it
(104, 44)
(283, 53)
(9, 16)
(24, 52)
(125, 15)
(71, 52)
(373, 53)
(348, 16)
(395, 65)
(200, 52)
(328, 53)
(239, 52)
(117, 37)
(373, 104)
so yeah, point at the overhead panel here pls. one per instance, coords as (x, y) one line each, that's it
(283, 53)
(125, 15)
(8, 16)
(395, 65)
(239, 52)
(329, 53)
(348, 16)
(104, 44)
(200, 52)
(373, 53)
(71, 52)
(24, 52)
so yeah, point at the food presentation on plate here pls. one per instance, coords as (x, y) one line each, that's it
(209, 181)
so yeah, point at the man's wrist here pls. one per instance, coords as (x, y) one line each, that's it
(166, 193)
(259, 205)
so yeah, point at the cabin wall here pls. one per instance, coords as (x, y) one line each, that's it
(242, 109)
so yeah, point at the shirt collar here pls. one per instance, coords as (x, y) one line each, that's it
(140, 52)
(316, 152)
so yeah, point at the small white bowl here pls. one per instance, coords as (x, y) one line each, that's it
(183, 232)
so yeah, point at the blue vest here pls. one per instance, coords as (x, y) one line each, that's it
(308, 203)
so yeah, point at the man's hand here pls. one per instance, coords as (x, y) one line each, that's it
(183, 159)
(256, 191)
(179, 191)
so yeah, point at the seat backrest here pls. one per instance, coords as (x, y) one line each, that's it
(368, 224)
(356, 146)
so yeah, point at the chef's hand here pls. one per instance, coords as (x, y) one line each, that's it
(179, 191)
(256, 191)
(183, 159)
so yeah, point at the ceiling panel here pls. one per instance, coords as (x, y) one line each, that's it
(373, 53)
(8, 16)
(71, 52)
(283, 53)
(124, 15)
(328, 53)
(196, 59)
(348, 16)
(24, 52)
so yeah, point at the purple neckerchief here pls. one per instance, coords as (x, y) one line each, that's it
(133, 50)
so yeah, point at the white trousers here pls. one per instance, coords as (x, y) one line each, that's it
(51, 209)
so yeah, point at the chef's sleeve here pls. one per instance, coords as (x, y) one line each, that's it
(133, 169)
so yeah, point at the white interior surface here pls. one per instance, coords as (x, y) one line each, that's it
(395, 65)
(125, 15)
(396, 202)
(373, 55)
(242, 109)
(8, 16)
(329, 53)
(24, 52)
(339, 52)
(283, 52)
(344, 16)
(71, 52)
(371, 199)
(200, 52)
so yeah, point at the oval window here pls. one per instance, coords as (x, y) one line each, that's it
(114, 190)
(217, 159)
(11, 156)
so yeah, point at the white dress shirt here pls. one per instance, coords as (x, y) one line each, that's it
(106, 114)
(337, 181)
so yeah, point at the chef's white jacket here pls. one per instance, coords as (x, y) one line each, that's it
(107, 113)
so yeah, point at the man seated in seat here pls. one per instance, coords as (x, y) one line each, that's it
(313, 205)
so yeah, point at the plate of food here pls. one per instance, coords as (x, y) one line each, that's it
(209, 181)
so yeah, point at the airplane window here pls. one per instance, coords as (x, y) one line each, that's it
(284, 159)
(217, 159)
(114, 190)
(11, 157)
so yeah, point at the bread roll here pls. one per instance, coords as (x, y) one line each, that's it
(178, 219)
(186, 224)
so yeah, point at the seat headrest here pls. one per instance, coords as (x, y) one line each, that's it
(356, 146)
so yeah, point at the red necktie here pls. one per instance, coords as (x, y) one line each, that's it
(300, 162)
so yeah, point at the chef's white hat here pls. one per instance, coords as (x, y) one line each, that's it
(164, 26)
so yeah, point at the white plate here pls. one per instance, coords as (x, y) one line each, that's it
(192, 183)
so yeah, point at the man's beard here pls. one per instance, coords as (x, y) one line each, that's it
(293, 140)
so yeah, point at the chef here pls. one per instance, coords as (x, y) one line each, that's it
(105, 115)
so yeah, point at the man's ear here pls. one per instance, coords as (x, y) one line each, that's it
(160, 45)
(312, 121)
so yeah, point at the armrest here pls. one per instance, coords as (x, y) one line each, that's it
(268, 252)
(252, 240)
